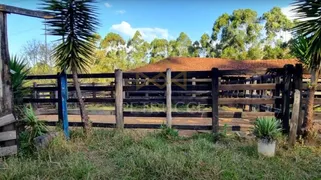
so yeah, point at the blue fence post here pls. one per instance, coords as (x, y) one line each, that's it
(62, 102)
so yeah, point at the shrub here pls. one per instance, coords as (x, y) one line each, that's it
(32, 128)
(19, 71)
(267, 128)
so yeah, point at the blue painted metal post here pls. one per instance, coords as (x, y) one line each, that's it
(62, 102)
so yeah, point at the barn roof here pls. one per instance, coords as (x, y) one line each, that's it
(205, 64)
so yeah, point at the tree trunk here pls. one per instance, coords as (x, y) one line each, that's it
(309, 116)
(83, 112)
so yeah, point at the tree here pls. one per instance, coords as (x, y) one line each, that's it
(75, 22)
(206, 48)
(195, 49)
(309, 27)
(35, 51)
(138, 50)
(238, 32)
(159, 49)
(112, 53)
(183, 43)
(276, 26)
(172, 48)
(276, 22)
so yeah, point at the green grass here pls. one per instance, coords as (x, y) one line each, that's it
(131, 154)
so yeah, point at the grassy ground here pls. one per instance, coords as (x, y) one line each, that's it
(130, 154)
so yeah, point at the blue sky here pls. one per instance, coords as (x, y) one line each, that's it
(154, 18)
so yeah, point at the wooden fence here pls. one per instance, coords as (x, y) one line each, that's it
(267, 92)
(8, 135)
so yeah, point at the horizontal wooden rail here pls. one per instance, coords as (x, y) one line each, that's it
(8, 135)
(230, 87)
(150, 126)
(162, 87)
(84, 88)
(136, 113)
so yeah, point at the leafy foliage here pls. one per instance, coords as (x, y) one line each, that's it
(75, 22)
(19, 71)
(309, 26)
(308, 30)
(32, 129)
(267, 128)
(300, 46)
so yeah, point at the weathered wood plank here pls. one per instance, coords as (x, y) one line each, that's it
(8, 135)
(25, 12)
(119, 99)
(9, 150)
(156, 126)
(295, 117)
(75, 112)
(215, 95)
(225, 101)
(7, 119)
(168, 98)
(230, 87)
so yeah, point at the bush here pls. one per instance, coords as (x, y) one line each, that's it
(267, 128)
(32, 128)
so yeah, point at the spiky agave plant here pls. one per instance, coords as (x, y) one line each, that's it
(19, 70)
(267, 128)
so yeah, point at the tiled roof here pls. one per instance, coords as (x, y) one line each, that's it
(205, 64)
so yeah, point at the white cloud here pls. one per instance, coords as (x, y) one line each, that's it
(288, 11)
(292, 15)
(120, 12)
(147, 33)
(108, 5)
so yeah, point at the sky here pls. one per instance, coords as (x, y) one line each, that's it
(153, 18)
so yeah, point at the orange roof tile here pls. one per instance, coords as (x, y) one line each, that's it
(205, 64)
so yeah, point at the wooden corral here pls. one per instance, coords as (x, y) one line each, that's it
(255, 93)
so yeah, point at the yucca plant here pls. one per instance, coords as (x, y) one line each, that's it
(267, 128)
(75, 21)
(19, 70)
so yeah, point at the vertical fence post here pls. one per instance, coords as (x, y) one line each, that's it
(295, 117)
(119, 98)
(94, 92)
(62, 102)
(286, 93)
(215, 94)
(194, 84)
(168, 98)
(298, 86)
(34, 95)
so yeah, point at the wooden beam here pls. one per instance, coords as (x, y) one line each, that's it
(10, 150)
(215, 95)
(119, 99)
(229, 87)
(8, 135)
(169, 98)
(25, 12)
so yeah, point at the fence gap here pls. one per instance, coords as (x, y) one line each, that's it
(119, 98)
(168, 98)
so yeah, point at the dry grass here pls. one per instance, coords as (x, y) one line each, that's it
(130, 154)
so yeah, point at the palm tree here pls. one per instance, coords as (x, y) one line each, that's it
(75, 21)
(309, 30)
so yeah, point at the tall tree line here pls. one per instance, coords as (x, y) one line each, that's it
(243, 34)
